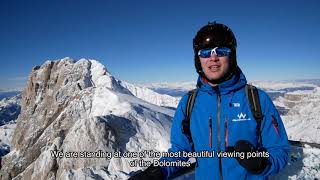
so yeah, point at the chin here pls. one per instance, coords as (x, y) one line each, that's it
(214, 77)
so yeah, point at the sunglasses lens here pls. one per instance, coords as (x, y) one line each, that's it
(223, 51)
(205, 53)
(218, 51)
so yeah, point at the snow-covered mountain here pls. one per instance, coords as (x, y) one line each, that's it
(127, 88)
(78, 106)
(302, 120)
(9, 109)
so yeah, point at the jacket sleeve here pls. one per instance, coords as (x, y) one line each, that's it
(274, 136)
(179, 141)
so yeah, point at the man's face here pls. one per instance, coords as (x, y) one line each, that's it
(215, 67)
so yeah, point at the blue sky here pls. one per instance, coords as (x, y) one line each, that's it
(151, 41)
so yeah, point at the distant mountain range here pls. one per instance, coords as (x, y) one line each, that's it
(6, 94)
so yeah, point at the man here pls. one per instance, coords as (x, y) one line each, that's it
(221, 118)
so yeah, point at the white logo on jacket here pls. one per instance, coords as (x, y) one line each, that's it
(236, 104)
(242, 117)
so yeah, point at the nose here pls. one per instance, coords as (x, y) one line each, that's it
(213, 57)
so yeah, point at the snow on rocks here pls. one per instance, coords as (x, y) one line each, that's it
(304, 163)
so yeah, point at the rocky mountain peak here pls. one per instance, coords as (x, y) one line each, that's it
(78, 106)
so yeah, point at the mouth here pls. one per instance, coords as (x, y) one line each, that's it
(214, 68)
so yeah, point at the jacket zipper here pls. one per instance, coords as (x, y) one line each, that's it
(226, 133)
(275, 125)
(210, 132)
(216, 88)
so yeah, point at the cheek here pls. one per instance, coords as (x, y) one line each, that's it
(202, 62)
(225, 63)
(226, 66)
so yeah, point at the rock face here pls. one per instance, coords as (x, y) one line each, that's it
(77, 106)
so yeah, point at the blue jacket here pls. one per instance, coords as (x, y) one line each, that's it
(230, 119)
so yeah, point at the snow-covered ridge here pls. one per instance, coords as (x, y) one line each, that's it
(152, 96)
(102, 78)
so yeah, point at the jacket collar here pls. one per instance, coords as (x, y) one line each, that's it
(237, 81)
